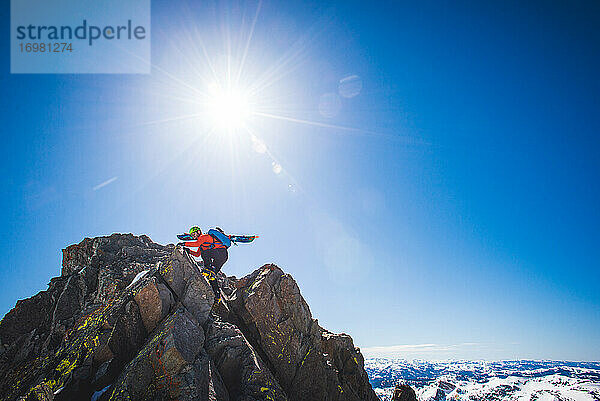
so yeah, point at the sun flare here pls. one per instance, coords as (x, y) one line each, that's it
(228, 108)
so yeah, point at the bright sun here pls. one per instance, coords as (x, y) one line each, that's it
(228, 108)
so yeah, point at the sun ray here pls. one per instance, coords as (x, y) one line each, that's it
(324, 125)
(191, 99)
(185, 56)
(199, 40)
(194, 37)
(174, 78)
(168, 120)
(169, 164)
(250, 34)
(273, 74)
(293, 56)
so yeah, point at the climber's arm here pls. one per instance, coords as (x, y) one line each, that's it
(193, 244)
(195, 253)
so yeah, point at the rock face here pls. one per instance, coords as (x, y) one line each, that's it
(404, 392)
(131, 319)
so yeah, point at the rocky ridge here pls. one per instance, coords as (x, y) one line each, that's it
(132, 319)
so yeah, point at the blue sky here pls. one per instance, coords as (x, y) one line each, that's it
(447, 209)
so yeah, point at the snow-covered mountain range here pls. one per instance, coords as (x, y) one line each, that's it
(482, 380)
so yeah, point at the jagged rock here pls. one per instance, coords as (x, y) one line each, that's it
(172, 365)
(446, 386)
(132, 319)
(182, 275)
(404, 392)
(28, 315)
(348, 362)
(440, 395)
(155, 301)
(278, 321)
(117, 252)
(42, 393)
(244, 373)
(70, 301)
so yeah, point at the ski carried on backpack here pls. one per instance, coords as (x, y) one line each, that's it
(241, 239)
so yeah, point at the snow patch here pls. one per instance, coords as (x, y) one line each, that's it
(523, 380)
(137, 278)
(96, 396)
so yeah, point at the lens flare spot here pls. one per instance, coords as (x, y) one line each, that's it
(350, 86)
(258, 146)
(330, 105)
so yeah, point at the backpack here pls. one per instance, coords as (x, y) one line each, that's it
(220, 236)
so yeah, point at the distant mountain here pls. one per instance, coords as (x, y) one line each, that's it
(481, 380)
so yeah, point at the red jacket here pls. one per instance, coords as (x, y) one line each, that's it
(203, 243)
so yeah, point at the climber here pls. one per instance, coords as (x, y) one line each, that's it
(213, 252)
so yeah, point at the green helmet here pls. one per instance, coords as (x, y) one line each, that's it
(194, 229)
